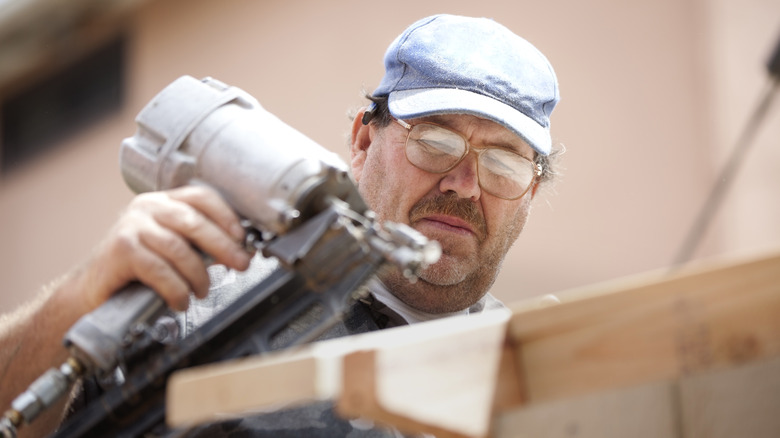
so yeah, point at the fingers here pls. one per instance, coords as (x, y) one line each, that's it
(211, 204)
(170, 255)
(159, 275)
(161, 239)
(201, 217)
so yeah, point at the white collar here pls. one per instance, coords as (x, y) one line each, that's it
(412, 315)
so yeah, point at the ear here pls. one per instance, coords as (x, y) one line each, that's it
(360, 141)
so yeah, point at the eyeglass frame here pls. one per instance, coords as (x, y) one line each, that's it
(408, 126)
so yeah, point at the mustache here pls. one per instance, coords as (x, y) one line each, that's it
(451, 204)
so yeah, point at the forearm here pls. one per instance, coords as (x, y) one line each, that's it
(31, 343)
(153, 242)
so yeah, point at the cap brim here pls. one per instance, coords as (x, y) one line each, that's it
(410, 104)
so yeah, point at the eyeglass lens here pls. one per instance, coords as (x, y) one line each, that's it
(436, 149)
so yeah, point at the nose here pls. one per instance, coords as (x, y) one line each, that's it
(463, 179)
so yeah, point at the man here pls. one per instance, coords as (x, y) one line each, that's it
(455, 143)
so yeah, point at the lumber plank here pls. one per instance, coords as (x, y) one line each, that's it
(651, 329)
(435, 377)
(454, 377)
(741, 401)
(725, 403)
(644, 411)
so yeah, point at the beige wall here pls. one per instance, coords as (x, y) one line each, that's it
(654, 94)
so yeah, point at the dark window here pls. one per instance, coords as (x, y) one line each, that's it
(61, 104)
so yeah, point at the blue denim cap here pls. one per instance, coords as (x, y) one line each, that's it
(446, 64)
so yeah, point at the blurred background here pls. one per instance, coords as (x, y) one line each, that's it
(654, 97)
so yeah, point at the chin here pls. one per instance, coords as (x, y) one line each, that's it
(444, 273)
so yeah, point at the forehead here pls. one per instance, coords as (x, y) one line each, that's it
(482, 132)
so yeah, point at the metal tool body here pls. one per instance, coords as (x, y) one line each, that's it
(299, 205)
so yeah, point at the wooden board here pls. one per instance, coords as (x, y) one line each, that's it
(385, 376)
(639, 334)
(649, 329)
(736, 402)
(643, 411)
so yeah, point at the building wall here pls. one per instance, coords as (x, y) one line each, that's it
(654, 95)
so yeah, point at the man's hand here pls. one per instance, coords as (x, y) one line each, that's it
(160, 240)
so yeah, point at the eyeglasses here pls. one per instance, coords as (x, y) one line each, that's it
(436, 149)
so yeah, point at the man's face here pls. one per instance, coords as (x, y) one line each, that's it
(474, 228)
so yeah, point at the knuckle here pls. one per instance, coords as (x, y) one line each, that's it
(190, 221)
(154, 268)
(177, 248)
(125, 240)
(144, 201)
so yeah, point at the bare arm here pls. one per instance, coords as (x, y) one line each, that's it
(31, 343)
(153, 242)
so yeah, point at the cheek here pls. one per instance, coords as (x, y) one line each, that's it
(370, 177)
(508, 223)
(379, 183)
(520, 219)
(390, 185)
